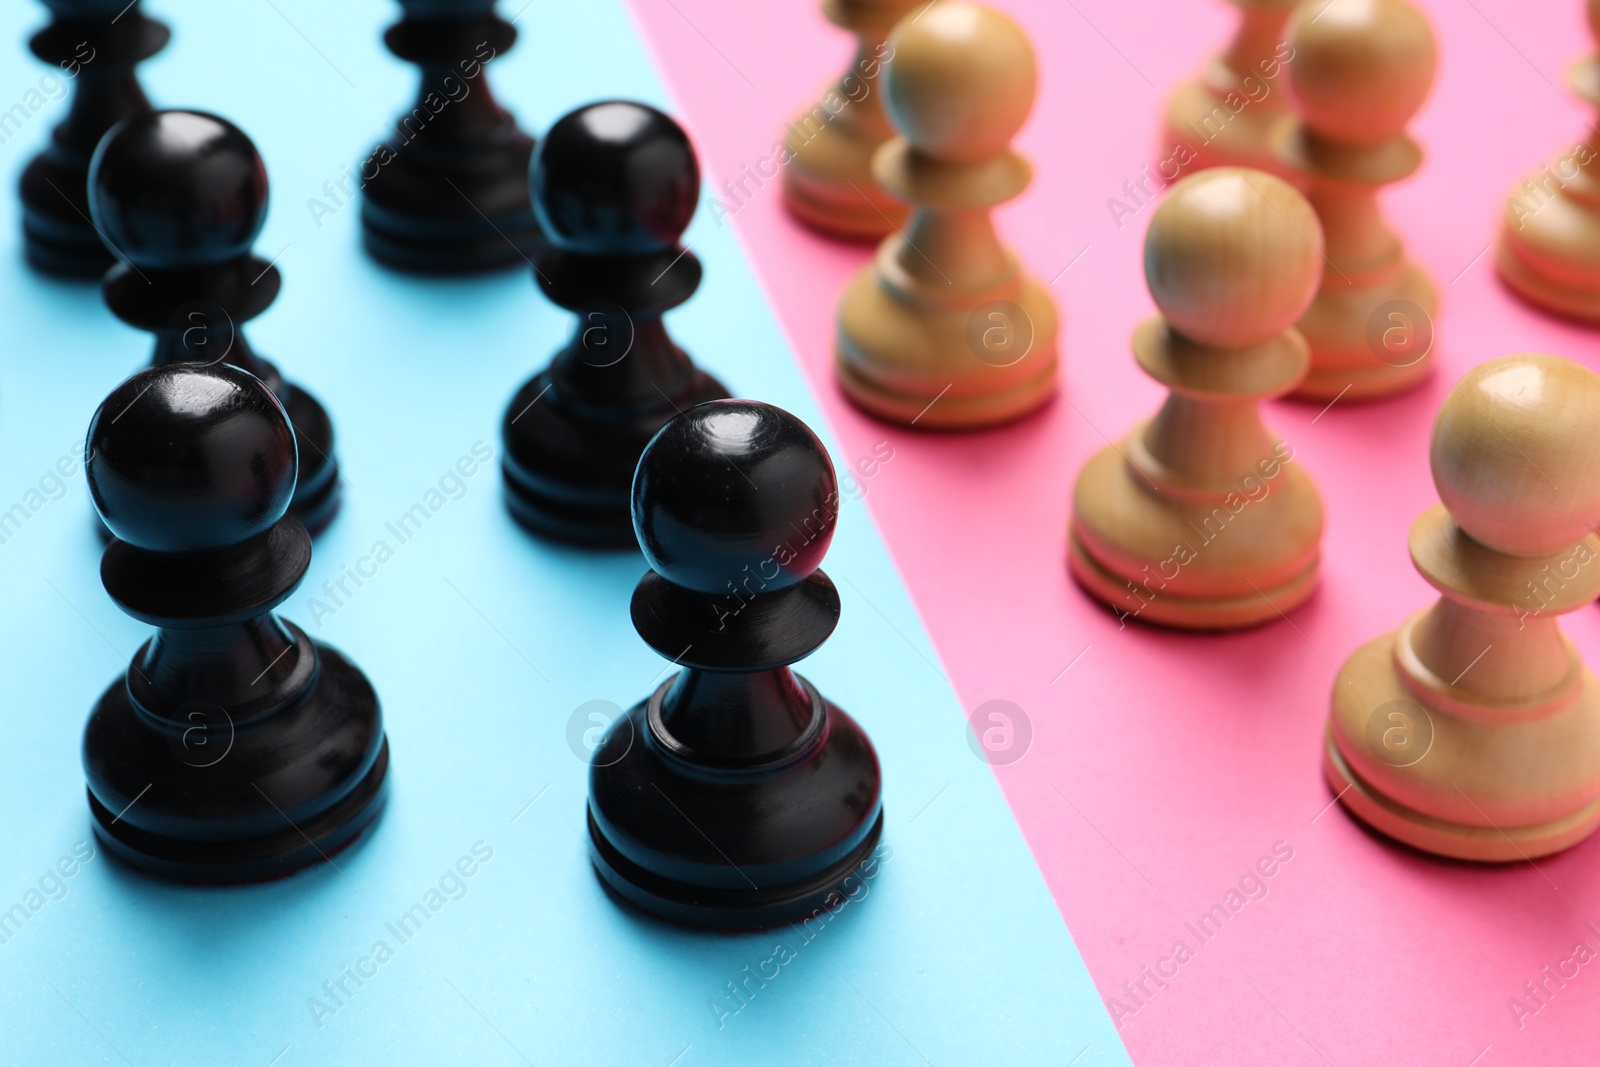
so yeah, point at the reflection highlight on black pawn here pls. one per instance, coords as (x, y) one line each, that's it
(236, 748)
(615, 185)
(735, 796)
(182, 195)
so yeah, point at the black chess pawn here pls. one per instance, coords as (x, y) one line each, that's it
(95, 45)
(615, 185)
(236, 748)
(183, 195)
(448, 193)
(736, 796)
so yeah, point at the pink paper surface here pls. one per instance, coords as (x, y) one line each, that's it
(1164, 766)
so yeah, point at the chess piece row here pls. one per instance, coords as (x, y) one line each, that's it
(236, 748)
(446, 194)
(945, 330)
(1474, 730)
(182, 195)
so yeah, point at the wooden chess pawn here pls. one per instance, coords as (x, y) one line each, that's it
(1474, 730)
(1361, 71)
(736, 795)
(945, 330)
(448, 193)
(1225, 116)
(1200, 518)
(235, 748)
(1549, 250)
(96, 44)
(827, 181)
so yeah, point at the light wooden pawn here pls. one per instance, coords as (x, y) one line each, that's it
(1549, 250)
(1474, 730)
(827, 182)
(945, 330)
(1201, 518)
(1225, 116)
(1361, 71)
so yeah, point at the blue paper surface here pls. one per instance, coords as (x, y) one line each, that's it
(489, 651)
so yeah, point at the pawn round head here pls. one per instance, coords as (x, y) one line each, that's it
(1233, 257)
(1361, 68)
(1516, 453)
(960, 81)
(190, 456)
(615, 179)
(175, 189)
(735, 496)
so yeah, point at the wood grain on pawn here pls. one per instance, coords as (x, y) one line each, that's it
(1200, 518)
(1473, 731)
(1361, 71)
(944, 329)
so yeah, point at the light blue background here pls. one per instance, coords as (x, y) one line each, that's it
(481, 644)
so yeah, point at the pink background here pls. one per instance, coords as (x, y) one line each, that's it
(1186, 758)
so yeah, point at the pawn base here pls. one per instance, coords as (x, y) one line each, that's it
(1530, 780)
(1190, 612)
(1369, 342)
(569, 472)
(733, 848)
(258, 859)
(1453, 840)
(1239, 139)
(58, 237)
(1575, 301)
(207, 801)
(434, 222)
(828, 185)
(928, 366)
(732, 910)
(1195, 562)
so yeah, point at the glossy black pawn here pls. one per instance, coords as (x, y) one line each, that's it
(615, 185)
(236, 748)
(736, 796)
(448, 193)
(94, 46)
(182, 196)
